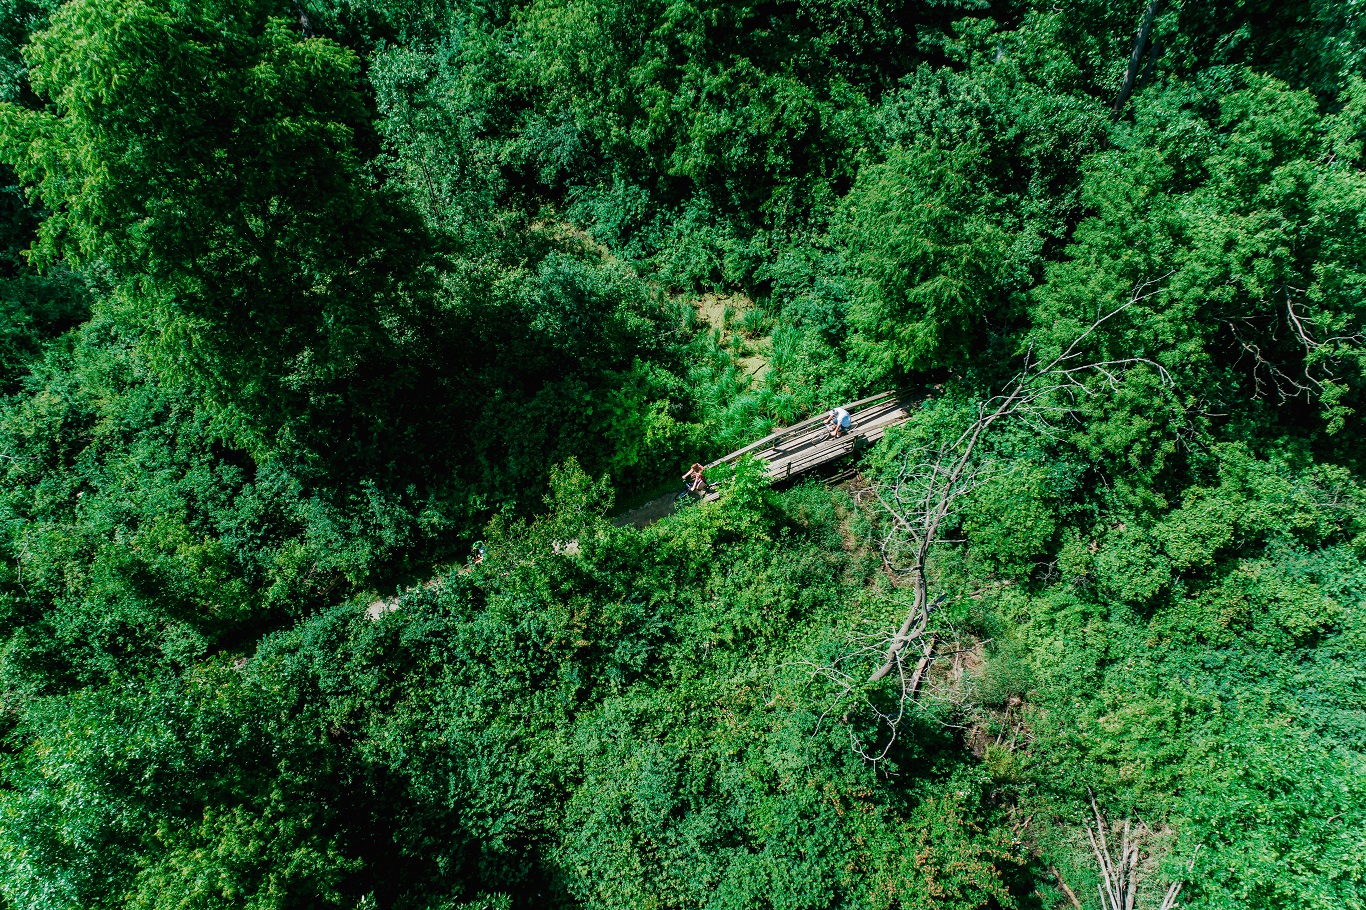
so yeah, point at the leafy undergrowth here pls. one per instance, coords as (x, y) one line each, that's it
(299, 300)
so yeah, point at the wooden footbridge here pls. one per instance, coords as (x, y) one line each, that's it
(794, 450)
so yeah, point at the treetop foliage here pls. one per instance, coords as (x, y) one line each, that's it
(336, 335)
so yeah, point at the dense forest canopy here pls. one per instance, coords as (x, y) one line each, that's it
(303, 303)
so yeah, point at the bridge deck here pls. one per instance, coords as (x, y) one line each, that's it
(806, 445)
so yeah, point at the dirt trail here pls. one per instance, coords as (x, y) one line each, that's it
(647, 514)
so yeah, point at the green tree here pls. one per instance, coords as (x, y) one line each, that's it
(1246, 222)
(208, 791)
(931, 260)
(214, 161)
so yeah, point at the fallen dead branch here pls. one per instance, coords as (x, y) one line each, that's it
(1120, 872)
(922, 499)
(921, 503)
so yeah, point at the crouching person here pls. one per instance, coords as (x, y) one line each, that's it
(839, 422)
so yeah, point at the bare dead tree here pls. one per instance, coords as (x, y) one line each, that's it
(920, 504)
(930, 485)
(1118, 874)
(1120, 871)
(850, 688)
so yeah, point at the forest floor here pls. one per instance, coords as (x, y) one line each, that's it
(727, 313)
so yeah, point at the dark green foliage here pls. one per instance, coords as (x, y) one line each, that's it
(614, 715)
(214, 790)
(33, 311)
(299, 300)
(184, 545)
(605, 724)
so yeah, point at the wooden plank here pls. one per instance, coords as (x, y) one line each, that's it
(814, 457)
(823, 451)
(864, 419)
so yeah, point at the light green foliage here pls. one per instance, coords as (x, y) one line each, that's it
(1296, 809)
(1252, 601)
(237, 859)
(930, 257)
(1011, 519)
(242, 228)
(1251, 242)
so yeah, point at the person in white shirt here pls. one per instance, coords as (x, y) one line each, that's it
(839, 422)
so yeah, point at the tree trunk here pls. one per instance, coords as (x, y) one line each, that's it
(304, 25)
(924, 665)
(1140, 44)
(1071, 895)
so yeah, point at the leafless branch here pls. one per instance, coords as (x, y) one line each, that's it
(931, 481)
(920, 504)
(1120, 872)
(1322, 355)
(1071, 895)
